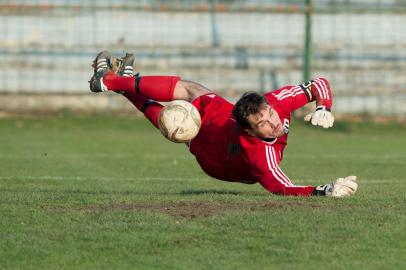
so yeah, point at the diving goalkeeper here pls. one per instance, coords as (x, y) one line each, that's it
(237, 143)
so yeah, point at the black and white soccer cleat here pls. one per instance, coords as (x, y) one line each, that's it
(101, 64)
(126, 65)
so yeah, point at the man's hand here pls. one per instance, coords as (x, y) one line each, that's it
(342, 187)
(321, 117)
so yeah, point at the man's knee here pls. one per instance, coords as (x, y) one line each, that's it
(188, 90)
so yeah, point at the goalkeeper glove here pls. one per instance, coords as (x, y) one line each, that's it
(321, 117)
(342, 187)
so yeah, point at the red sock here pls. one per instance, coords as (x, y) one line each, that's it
(118, 83)
(158, 88)
(150, 108)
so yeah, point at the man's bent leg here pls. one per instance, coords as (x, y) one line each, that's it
(159, 88)
(188, 90)
(150, 108)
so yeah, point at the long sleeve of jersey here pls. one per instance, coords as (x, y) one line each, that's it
(294, 97)
(265, 169)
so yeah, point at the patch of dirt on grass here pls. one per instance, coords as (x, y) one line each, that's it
(196, 209)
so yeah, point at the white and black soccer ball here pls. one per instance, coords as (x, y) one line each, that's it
(179, 121)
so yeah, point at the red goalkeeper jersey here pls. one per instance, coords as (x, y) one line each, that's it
(226, 152)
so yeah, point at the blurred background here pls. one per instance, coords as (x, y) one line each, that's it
(230, 46)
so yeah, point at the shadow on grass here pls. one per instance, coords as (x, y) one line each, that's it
(78, 192)
(192, 209)
(210, 191)
(74, 192)
(221, 192)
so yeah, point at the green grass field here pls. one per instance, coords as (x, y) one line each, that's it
(111, 193)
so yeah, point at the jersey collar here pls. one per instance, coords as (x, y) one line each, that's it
(267, 141)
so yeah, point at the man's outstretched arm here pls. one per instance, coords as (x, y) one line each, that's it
(294, 97)
(319, 90)
(342, 187)
(267, 172)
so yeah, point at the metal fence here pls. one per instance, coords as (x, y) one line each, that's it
(46, 47)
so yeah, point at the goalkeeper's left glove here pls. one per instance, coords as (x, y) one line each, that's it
(321, 117)
(342, 187)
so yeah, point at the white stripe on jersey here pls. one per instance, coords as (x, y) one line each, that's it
(285, 91)
(294, 92)
(321, 82)
(323, 87)
(273, 156)
(289, 93)
(273, 167)
(281, 93)
(321, 93)
(320, 89)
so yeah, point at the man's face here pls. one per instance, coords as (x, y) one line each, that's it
(266, 123)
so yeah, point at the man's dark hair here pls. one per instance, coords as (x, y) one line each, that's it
(249, 103)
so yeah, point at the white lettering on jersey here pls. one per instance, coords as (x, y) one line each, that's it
(286, 125)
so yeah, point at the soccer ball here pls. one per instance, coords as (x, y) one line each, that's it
(179, 121)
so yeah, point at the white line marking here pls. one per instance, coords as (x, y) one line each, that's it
(361, 180)
(358, 156)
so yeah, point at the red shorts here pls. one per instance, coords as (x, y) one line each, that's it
(210, 145)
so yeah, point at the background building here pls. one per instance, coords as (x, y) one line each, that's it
(46, 49)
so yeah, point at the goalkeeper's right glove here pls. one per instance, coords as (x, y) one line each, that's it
(342, 187)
